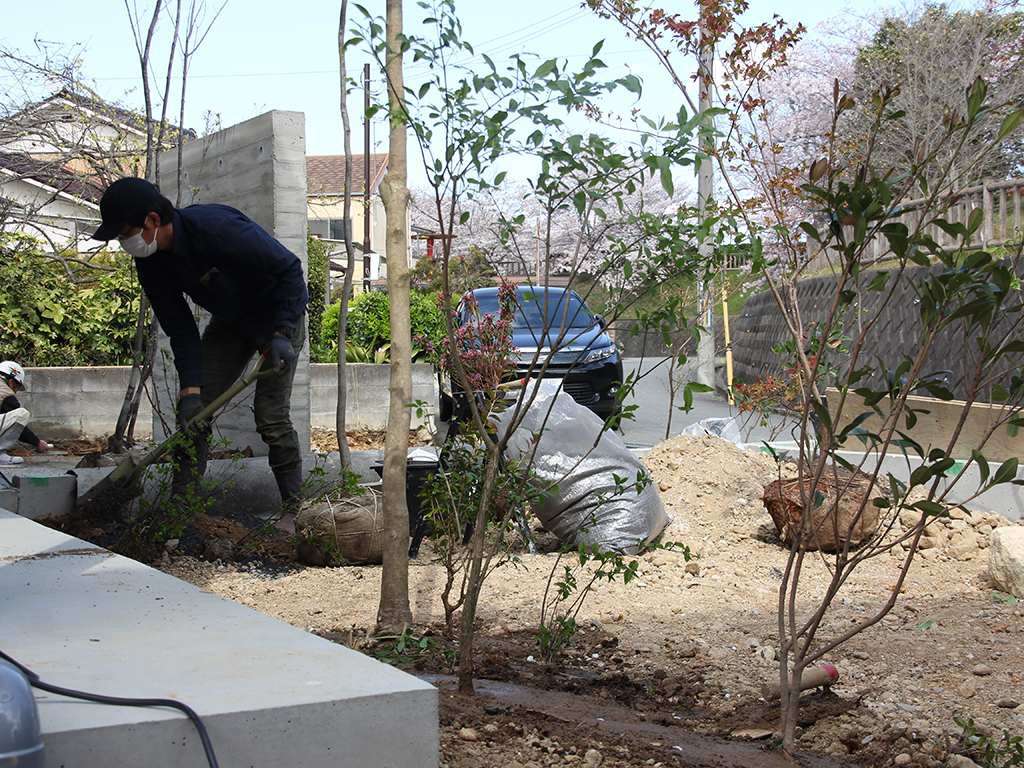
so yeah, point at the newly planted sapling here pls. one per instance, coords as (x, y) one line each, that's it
(573, 575)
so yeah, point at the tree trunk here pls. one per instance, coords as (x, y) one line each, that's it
(344, 453)
(475, 581)
(394, 614)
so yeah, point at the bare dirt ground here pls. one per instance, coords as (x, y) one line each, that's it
(668, 669)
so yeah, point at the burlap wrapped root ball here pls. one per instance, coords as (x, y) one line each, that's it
(341, 530)
(841, 491)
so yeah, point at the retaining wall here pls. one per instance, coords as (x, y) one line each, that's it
(77, 402)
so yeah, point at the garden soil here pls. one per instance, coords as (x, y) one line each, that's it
(668, 669)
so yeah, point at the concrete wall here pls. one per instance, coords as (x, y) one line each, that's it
(72, 402)
(258, 167)
(368, 393)
(76, 402)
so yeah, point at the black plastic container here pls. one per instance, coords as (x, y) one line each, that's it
(417, 472)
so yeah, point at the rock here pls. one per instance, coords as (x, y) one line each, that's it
(220, 548)
(1006, 559)
(1007, 704)
(693, 569)
(171, 544)
(468, 734)
(959, 761)
(982, 670)
(593, 758)
(901, 759)
(965, 550)
(968, 688)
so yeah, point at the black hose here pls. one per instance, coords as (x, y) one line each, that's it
(35, 682)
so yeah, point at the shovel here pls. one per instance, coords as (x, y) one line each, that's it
(123, 484)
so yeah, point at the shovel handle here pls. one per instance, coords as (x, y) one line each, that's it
(255, 372)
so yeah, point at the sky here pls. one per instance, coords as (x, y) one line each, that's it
(261, 55)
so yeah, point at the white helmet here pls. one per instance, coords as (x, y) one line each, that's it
(11, 370)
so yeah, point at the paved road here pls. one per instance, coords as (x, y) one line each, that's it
(658, 417)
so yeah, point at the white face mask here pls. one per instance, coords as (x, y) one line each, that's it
(137, 247)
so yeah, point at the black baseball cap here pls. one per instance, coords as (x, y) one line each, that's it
(124, 200)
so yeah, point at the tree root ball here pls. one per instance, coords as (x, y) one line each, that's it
(341, 530)
(839, 490)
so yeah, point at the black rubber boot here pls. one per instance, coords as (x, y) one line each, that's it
(289, 483)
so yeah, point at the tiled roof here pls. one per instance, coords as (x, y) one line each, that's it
(53, 174)
(325, 174)
(113, 113)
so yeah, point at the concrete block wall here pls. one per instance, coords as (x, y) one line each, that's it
(77, 402)
(368, 394)
(258, 167)
(71, 402)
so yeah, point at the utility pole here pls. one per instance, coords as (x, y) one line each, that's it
(705, 193)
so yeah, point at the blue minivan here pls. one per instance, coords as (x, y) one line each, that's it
(553, 325)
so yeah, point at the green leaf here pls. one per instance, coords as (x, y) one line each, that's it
(1007, 471)
(982, 463)
(929, 507)
(1010, 124)
(545, 69)
(975, 220)
(632, 84)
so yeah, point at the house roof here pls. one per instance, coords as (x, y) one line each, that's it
(55, 175)
(110, 113)
(325, 174)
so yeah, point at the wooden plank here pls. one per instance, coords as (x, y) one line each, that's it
(936, 420)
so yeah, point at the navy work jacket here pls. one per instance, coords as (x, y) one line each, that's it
(227, 264)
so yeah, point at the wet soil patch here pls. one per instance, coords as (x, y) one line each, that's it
(237, 537)
(581, 704)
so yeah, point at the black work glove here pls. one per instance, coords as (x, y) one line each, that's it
(189, 407)
(282, 356)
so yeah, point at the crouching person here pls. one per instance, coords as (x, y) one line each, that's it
(13, 418)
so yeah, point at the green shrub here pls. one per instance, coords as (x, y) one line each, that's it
(369, 324)
(317, 259)
(49, 318)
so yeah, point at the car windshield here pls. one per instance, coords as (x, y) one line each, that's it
(532, 312)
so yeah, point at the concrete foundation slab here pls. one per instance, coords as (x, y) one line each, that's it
(268, 693)
(40, 495)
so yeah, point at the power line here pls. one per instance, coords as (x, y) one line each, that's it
(513, 39)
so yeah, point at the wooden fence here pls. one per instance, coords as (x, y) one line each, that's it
(999, 201)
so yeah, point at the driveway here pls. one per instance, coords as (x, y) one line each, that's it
(657, 415)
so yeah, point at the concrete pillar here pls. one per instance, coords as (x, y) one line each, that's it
(258, 167)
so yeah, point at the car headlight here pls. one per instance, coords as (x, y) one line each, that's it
(599, 354)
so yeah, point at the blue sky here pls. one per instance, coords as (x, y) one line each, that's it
(262, 55)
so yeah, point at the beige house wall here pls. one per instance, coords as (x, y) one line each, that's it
(321, 209)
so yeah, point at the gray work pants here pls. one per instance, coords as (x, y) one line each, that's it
(227, 350)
